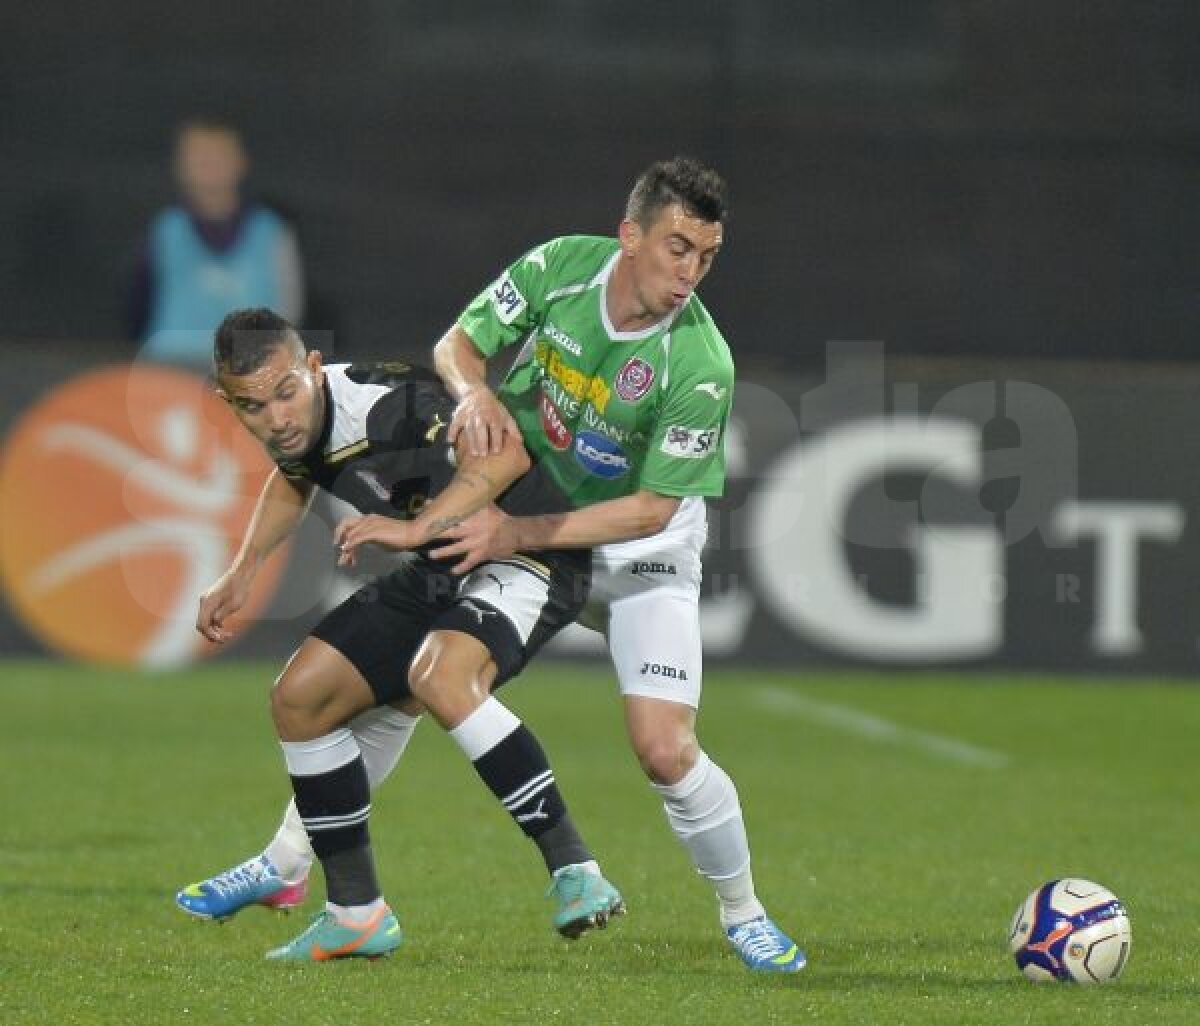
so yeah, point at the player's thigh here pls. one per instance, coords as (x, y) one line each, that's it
(380, 627)
(513, 607)
(654, 643)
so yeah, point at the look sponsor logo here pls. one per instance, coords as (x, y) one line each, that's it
(123, 495)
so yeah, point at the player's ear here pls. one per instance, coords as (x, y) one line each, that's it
(313, 362)
(630, 234)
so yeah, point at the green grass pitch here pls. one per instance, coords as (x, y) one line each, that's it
(896, 822)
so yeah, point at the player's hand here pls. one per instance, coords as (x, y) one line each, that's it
(221, 601)
(372, 529)
(488, 534)
(484, 420)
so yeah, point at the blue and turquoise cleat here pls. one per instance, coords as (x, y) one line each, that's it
(253, 882)
(328, 937)
(585, 900)
(765, 948)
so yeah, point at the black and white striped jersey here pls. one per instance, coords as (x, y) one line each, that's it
(383, 449)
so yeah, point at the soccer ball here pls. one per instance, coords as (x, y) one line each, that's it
(1070, 930)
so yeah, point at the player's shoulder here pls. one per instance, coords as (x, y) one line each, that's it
(697, 345)
(570, 257)
(169, 219)
(388, 373)
(262, 217)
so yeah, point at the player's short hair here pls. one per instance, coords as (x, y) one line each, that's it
(207, 126)
(246, 339)
(696, 187)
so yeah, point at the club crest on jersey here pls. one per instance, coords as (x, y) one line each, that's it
(600, 456)
(634, 379)
(552, 423)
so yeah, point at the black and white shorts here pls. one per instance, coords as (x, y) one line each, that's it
(512, 606)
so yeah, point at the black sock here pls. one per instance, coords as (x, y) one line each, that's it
(334, 807)
(517, 772)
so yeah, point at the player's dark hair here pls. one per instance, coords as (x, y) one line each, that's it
(246, 339)
(696, 187)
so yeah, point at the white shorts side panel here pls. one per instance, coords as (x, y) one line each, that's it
(517, 588)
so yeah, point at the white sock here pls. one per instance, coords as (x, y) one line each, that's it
(705, 814)
(382, 735)
(355, 914)
(592, 866)
(289, 851)
(485, 728)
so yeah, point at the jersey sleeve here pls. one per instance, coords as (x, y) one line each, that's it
(686, 454)
(504, 312)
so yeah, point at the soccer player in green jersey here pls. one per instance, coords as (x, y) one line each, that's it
(622, 390)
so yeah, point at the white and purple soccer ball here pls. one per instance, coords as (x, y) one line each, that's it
(1071, 930)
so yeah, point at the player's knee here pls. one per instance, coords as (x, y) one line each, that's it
(297, 699)
(668, 755)
(448, 679)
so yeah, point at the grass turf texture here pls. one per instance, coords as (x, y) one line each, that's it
(895, 867)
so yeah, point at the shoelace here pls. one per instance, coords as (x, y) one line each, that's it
(757, 938)
(238, 878)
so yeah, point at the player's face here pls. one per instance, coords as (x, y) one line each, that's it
(282, 403)
(671, 256)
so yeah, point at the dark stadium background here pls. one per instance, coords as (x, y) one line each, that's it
(994, 191)
(1007, 177)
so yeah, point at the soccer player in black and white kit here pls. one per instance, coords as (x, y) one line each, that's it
(418, 638)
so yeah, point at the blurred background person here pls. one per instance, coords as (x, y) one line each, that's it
(211, 252)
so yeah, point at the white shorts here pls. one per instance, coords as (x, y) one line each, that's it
(645, 599)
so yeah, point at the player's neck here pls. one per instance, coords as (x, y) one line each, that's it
(626, 312)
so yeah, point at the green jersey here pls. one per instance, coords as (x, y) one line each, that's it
(606, 412)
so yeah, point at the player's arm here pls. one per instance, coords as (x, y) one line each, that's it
(493, 534)
(615, 520)
(478, 480)
(501, 315)
(479, 417)
(281, 506)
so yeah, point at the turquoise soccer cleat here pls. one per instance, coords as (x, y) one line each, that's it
(765, 948)
(585, 900)
(328, 937)
(253, 882)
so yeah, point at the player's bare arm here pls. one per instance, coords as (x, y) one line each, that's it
(281, 506)
(479, 415)
(493, 534)
(478, 480)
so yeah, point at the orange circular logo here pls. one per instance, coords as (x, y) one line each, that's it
(123, 495)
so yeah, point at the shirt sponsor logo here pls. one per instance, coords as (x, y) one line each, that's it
(507, 300)
(690, 443)
(600, 456)
(634, 379)
(574, 382)
(552, 423)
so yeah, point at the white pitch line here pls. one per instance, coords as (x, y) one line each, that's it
(874, 728)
